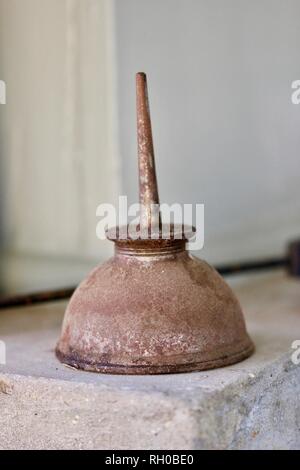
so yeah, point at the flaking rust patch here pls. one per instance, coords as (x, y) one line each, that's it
(6, 387)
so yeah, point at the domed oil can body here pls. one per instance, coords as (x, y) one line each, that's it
(153, 314)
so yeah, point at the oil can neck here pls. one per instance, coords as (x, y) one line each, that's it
(157, 248)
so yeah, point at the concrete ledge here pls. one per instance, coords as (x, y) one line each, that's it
(251, 405)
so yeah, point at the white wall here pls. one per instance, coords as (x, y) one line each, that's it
(226, 132)
(57, 131)
(58, 139)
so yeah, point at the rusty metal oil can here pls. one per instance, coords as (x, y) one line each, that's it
(153, 308)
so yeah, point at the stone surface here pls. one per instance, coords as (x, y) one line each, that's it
(251, 405)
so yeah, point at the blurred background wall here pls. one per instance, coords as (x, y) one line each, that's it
(226, 133)
(58, 138)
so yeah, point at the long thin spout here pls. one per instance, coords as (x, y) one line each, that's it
(147, 175)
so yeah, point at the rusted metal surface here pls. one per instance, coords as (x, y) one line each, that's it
(152, 308)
